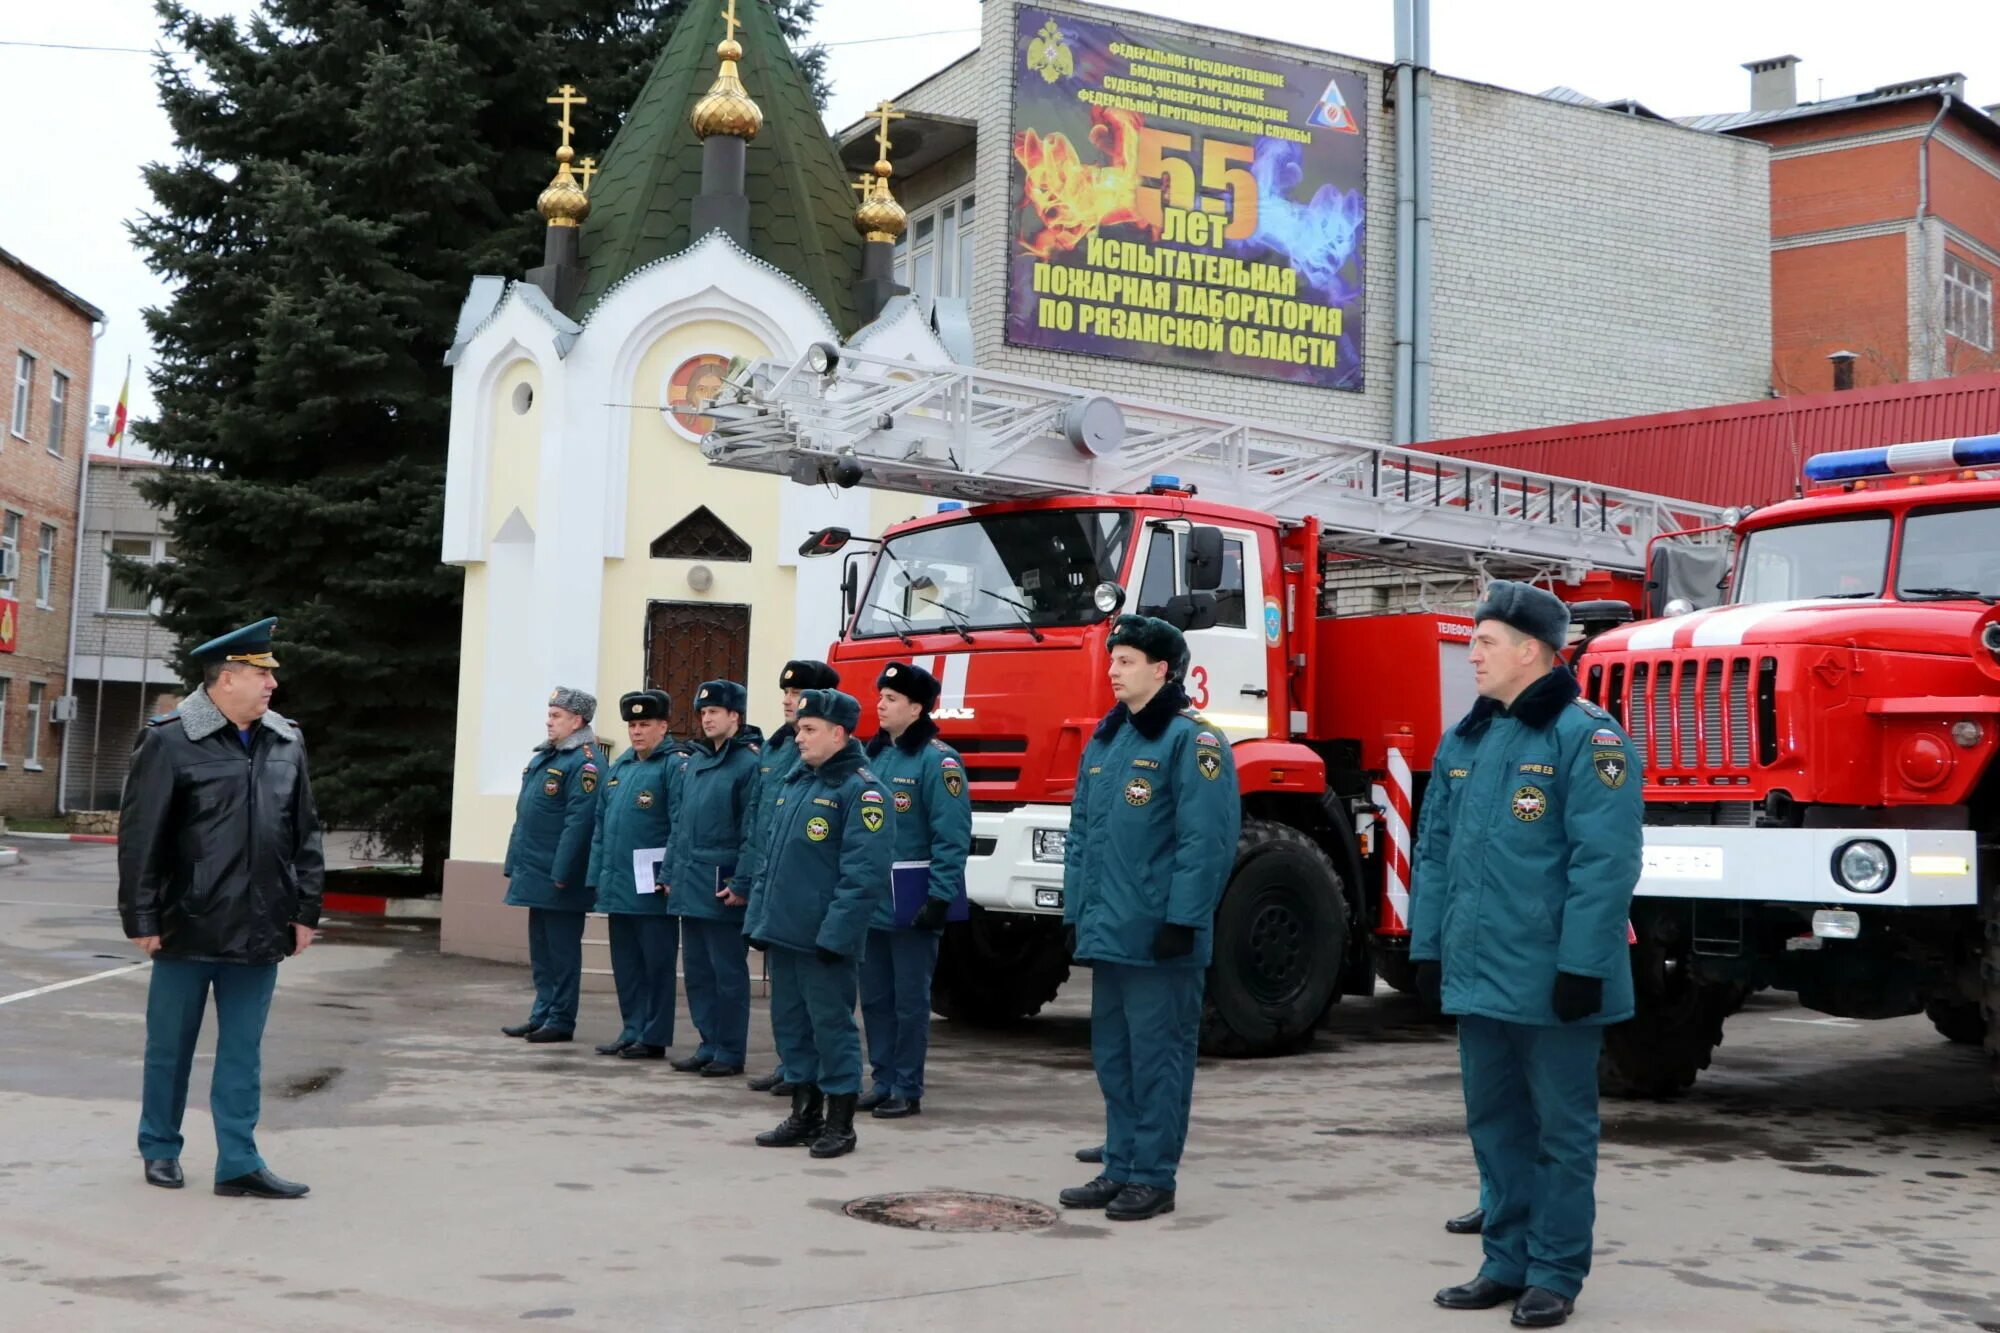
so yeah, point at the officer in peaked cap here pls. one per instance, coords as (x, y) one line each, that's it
(219, 878)
(1152, 839)
(781, 751)
(927, 789)
(1528, 849)
(548, 860)
(634, 817)
(712, 826)
(827, 864)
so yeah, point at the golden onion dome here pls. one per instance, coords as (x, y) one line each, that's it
(564, 203)
(725, 108)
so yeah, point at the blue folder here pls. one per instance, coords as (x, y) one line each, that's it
(910, 881)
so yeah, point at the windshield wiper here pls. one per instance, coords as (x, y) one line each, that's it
(1952, 594)
(908, 642)
(956, 623)
(1847, 596)
(1026, 612)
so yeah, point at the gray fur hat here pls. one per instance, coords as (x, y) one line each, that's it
(581, 702)
(1533, 611)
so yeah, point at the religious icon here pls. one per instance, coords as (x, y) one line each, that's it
(695, 380)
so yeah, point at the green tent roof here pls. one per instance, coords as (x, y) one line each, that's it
(801, 211)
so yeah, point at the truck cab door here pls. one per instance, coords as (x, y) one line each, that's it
(1229, 672)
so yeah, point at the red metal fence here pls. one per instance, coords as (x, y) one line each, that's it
(1741, 453)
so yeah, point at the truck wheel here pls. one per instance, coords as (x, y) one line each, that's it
(997, 967)
(1958, 1021)
(1674, 1029)
(1280, 938)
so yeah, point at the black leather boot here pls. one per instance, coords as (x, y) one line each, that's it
(518, 1029)
(164, 1172)
(766, 1082)
(1541, 1308)
(803, 1125)
(1097, 1194)
(612, 1047)
(1482, 1293)
(1094, 1156)
(691, 1064)
(873, 1098)
(837, 1138)
(1467, 1224)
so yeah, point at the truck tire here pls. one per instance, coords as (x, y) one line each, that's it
(1674, 1030)
(1280, 938)
(998, 967)
(1960, 1021)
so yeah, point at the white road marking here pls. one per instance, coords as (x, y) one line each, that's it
(74, 981)
(1820, 1022)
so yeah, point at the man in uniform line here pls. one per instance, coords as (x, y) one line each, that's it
(548, 859)
(926, 786)
(780, 753)
(712, 829)
(1152, 839)
(826, 873)
(634, 814)
(219, 878)
(1525, 868)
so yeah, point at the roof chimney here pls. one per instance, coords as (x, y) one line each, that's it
(1774, 83)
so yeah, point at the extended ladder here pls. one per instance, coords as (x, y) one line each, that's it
(974, 435)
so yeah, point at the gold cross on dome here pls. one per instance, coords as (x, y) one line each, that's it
(587, 168)
(864, 183)
(885, 113)
(566, 97)
(730, 23)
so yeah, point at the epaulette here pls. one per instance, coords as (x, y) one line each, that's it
(1590, 708)
(162, 719)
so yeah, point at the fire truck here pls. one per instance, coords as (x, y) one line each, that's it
(1819, 733)
(1058, 508)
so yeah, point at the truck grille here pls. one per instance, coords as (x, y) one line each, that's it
(1693, 717)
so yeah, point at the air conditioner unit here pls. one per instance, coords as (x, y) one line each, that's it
(10, 564)
(64, 709)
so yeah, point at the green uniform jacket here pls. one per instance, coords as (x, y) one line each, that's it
(634, 810)
(713, 823)
(826, 866)
(1528, 849)
(1152, 832)
(927, 791)
(781, 751)
(548, 854)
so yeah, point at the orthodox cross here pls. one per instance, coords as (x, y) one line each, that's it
(587, 168)
(885, 113)
(566, 97)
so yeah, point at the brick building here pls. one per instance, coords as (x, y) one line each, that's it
(122, 670)
(1885, 228)
(46, 341)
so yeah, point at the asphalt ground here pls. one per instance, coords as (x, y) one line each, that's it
(1825, 1175)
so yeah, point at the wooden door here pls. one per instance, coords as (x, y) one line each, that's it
(690, 642)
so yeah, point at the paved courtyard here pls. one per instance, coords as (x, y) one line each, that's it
(1826, 1175)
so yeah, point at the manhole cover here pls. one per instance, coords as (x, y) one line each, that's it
(952, 1210)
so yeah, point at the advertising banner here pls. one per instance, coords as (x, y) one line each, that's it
(1186, 204)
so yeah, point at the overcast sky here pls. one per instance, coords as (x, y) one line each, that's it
(80, 123)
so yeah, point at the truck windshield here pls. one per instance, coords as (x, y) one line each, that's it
(1036, 568)
(1950, 552)
(1842, 557)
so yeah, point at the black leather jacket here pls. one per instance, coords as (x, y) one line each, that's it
(219, 846)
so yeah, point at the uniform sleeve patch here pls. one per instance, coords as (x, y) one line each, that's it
(948, 761)
(589, 780)
(1612, 767)
(1207, 738)
(872, 817)
(1209, 762)
(871, 797)
(954, 786)
(1606, 736)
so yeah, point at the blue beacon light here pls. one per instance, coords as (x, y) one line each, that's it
(1969, 451)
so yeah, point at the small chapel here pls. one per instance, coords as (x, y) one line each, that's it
(600, 549)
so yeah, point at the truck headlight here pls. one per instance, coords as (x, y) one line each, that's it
(1051, 844)
(1864, 865)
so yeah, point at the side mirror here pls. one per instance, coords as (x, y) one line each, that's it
(1203, 564)
(827, 541)
(1189, 611)
(850, 590)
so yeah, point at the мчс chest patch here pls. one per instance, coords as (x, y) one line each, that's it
(645, 800)
(903, 803)
(551, 786)
(1138, 791)
(817, 828)
(1530, 804)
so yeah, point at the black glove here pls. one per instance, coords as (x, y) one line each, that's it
(931, 915)
(827, 955)
(1576, 997)
(1172, 941)
(1430, 983)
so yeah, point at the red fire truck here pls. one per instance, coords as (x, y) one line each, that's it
(1823, 803)
(1239, 532)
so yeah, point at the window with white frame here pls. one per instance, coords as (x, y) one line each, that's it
(934, 255)
(10, 551)
(31, 754)
(58, 410)
(45, 565)
(1968, 303)
(123, 594)
(24, 383)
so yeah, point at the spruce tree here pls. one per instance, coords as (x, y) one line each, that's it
(344, 168)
